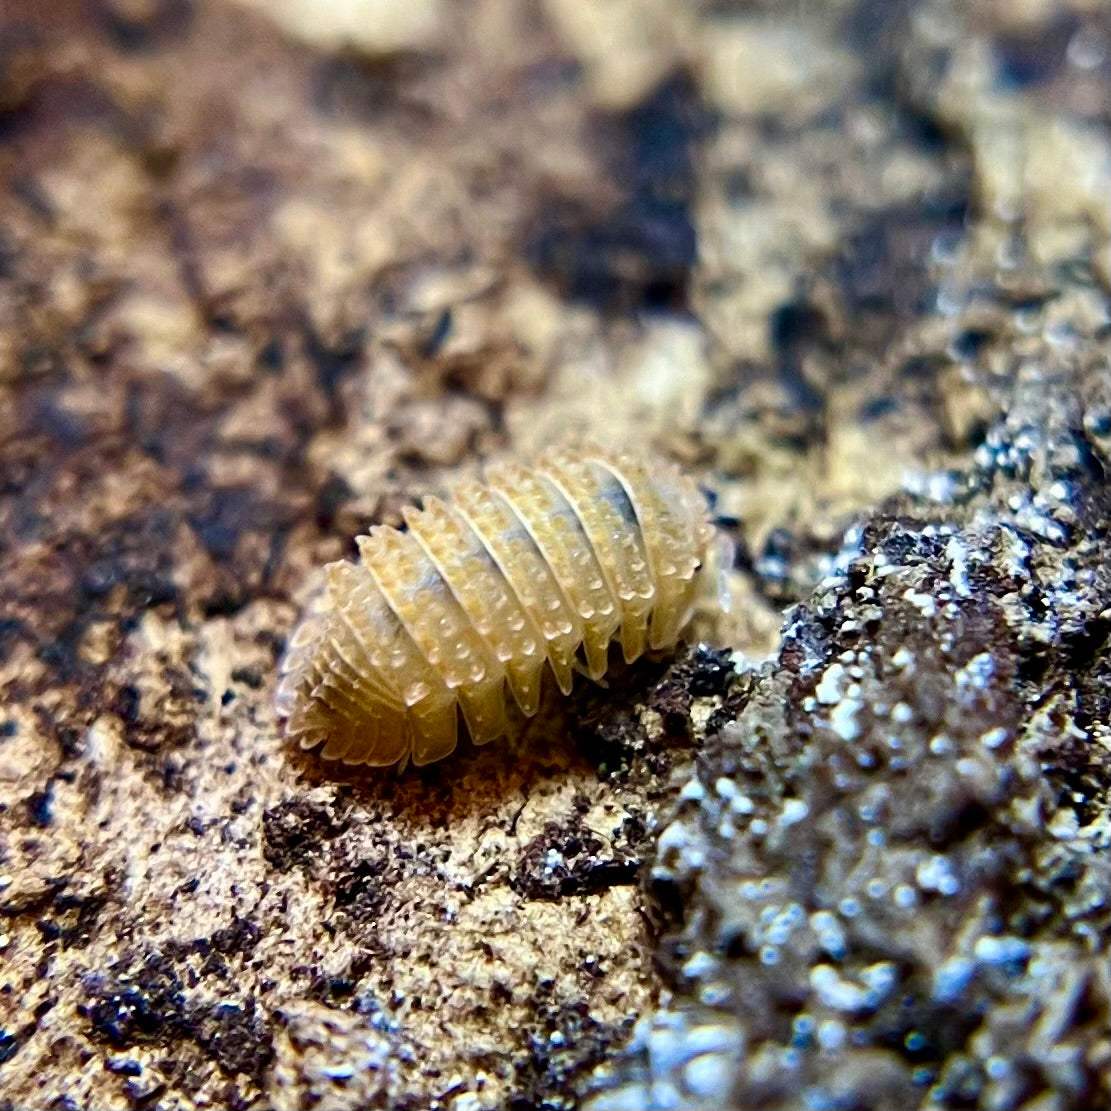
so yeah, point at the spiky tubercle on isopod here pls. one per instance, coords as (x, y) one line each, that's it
(538, 564)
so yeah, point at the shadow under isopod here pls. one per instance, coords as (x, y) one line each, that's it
(595, 734)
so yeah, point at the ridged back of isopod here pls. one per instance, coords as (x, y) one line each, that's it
(529, 568)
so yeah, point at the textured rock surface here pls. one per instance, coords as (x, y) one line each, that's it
(263, 282)
(892, 869)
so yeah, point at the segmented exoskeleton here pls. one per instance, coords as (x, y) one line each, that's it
(541, 564)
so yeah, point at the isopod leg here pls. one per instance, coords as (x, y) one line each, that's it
(382, 741)
(483, 706)
(365, 743)
(309, 740)
(562, 664)
(435, 727)
(596, 650)
(289, 690)
(340, 743)
(525, 680)
(348, 719)
(671, 613)
(634, 635)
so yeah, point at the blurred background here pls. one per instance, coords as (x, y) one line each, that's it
(290, 259)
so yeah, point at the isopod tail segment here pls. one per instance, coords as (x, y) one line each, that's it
(538, 564)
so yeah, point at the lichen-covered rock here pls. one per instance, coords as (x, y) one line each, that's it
(894, 864)
(888, 881)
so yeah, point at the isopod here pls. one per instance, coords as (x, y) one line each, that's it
(541, 564)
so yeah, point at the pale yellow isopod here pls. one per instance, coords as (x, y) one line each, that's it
(543, 564)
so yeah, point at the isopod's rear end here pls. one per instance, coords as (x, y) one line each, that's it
(542, 565)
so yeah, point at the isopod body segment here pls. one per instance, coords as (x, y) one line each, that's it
(543, 565)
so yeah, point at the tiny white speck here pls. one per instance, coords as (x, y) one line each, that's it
(952, 978)
(1001, 950)
(879, 978)
(834, 992)
(997, 1067)
(957, 555)
(700, 966)
(842, 719)
(794, 810)
(936, 874)
(741, 804)
(693, 791)
(924, 603)
(993, 738)
(977, 671)
(709, 1076)
(828, 691)
(905, 897)
(831, 1035)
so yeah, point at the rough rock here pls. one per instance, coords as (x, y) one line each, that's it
(891, 872)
